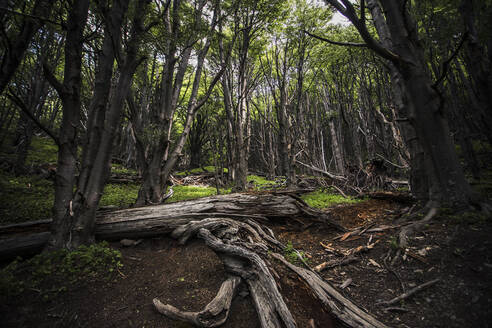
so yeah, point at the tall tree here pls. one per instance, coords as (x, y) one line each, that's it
(425, 114)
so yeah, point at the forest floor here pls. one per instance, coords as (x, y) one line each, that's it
(454, 249)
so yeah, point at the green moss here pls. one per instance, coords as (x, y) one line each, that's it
(193, 192)
(120, 169)
(324, 199)
(43, 150)
(261, 182)
(50, 272)
(25, 198)
(121, 195)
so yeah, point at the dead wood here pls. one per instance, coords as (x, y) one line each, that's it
(410, 292)
(409, 229)
(399, 197)
(341, 307)
(214, 314)
(135, 223)
(328, 174)
(335, 263)
(243, 247)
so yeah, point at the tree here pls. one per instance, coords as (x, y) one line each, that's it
(447, 183)
(76, 200)
(16, 42)
(157, 157)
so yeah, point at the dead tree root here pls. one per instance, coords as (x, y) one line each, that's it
(214, 314)
(244, 248)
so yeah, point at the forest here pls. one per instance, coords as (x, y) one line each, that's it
(245, 163)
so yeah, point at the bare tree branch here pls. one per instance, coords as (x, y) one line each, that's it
(22, 106)
(350, 44)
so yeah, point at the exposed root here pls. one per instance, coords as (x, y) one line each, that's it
(341, 307)
(243, 248)
(411, 228)
(214, 314)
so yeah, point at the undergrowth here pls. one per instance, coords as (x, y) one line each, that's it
(52, 272)
(326, 198)
(292, 256)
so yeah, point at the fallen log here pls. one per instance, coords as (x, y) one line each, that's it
(162, 219)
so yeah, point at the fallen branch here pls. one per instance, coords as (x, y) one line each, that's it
(214, 314)
(335, 263)
(328, 174)
(410, 292)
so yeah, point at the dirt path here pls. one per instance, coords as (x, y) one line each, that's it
(189, 277)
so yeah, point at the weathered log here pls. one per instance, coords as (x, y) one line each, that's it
(162, 219)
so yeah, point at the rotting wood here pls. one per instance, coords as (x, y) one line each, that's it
(158, 220)
(214, 314)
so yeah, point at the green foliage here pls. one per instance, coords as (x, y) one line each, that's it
(50, 272)
(324, 199)
(292, 255)
(121, 195)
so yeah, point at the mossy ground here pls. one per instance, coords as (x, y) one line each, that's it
(53, 272)
(326, 198)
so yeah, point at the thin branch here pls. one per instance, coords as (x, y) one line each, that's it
(445, 65)
(410, 292)
(351, 44)
(42, 19)
(53, 80)
(12, 96)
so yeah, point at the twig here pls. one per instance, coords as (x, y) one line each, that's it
(387, 267)
(410, 292)
(334, 263)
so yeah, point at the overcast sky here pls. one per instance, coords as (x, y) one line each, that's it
(339, 19)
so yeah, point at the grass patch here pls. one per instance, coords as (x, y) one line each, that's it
(53, 272)
(324, 199)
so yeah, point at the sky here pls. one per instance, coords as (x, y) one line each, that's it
(339, 19)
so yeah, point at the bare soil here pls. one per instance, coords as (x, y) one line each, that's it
(188, 277)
